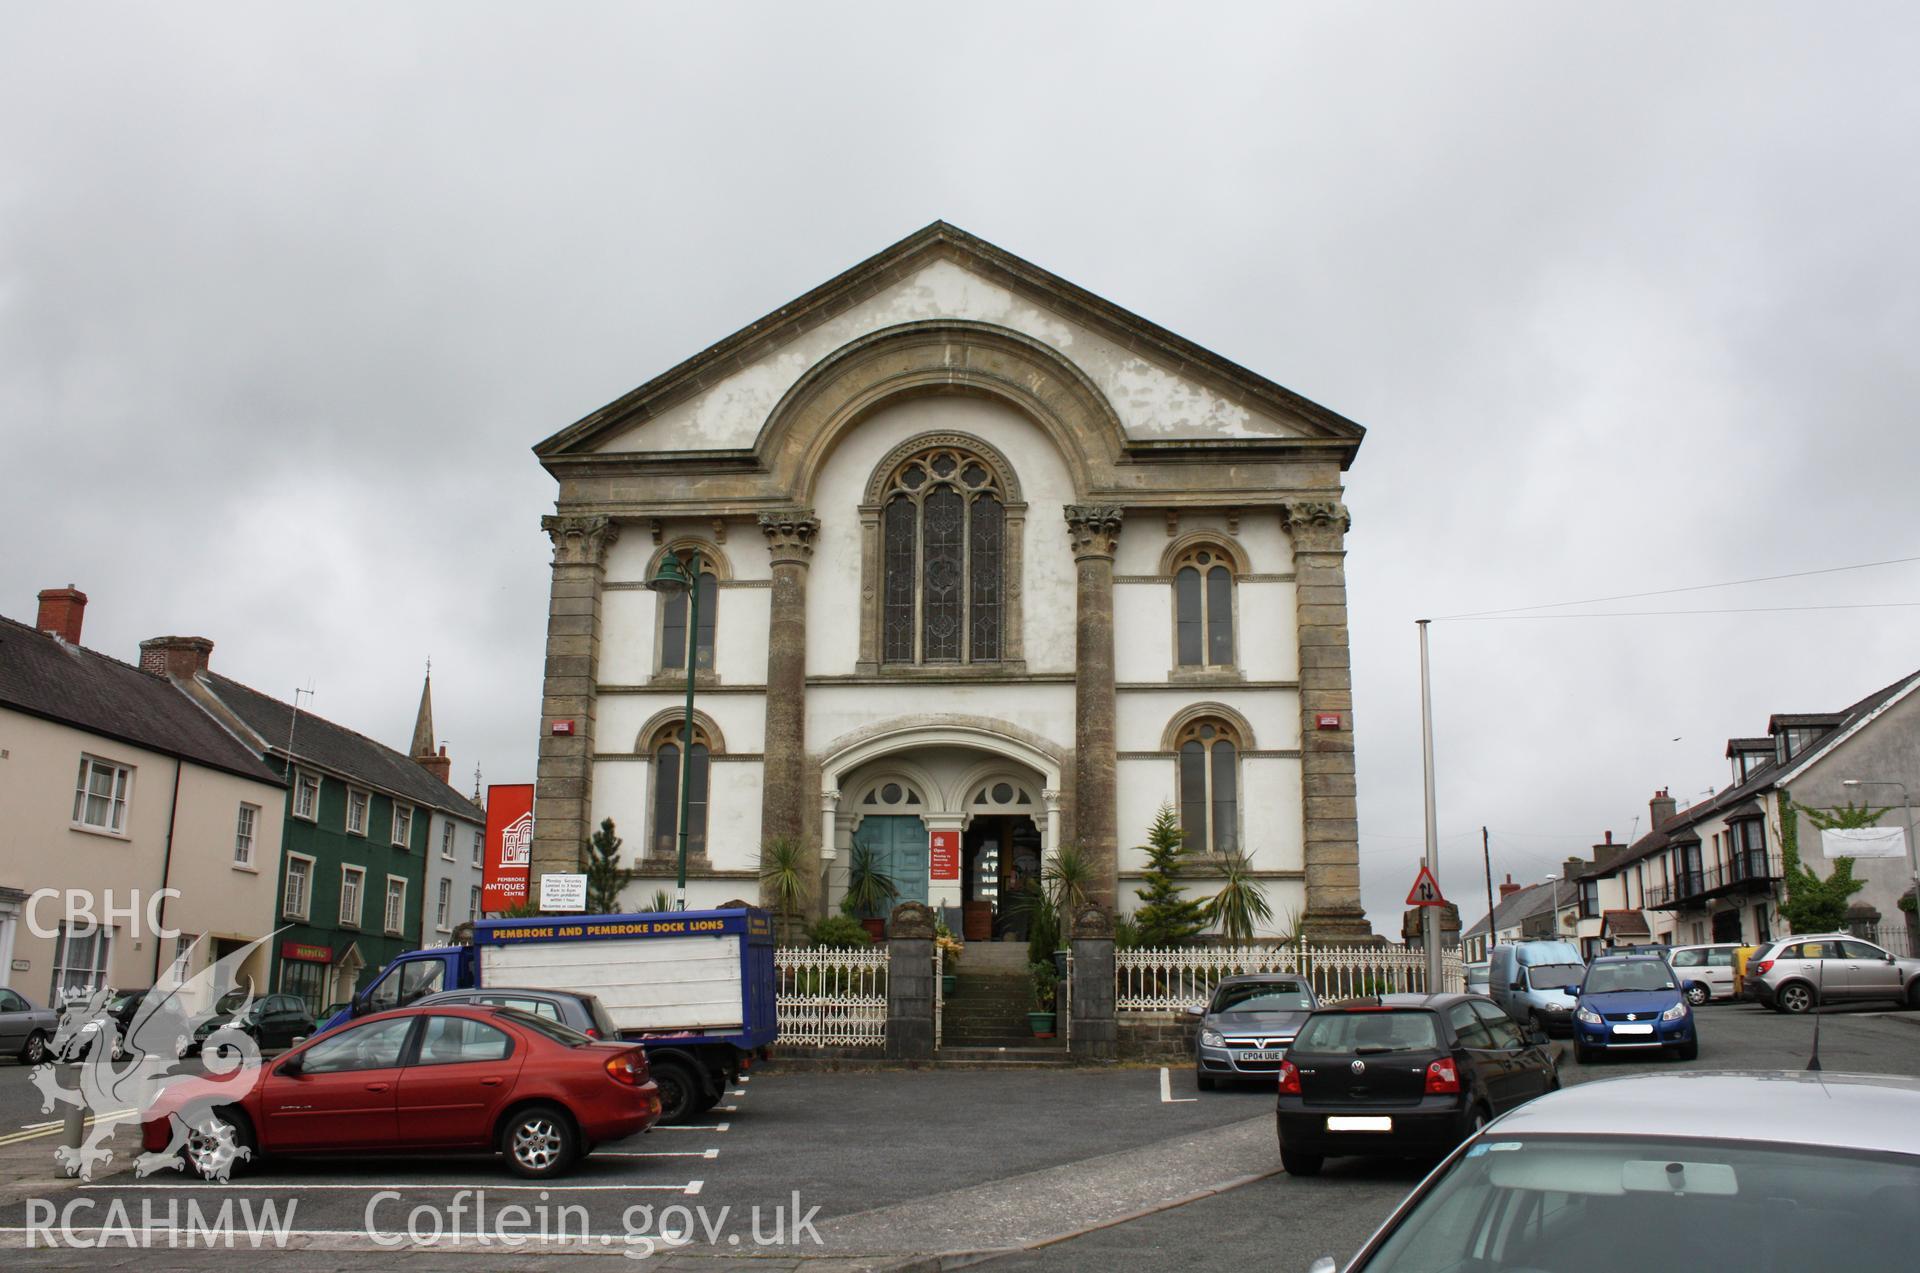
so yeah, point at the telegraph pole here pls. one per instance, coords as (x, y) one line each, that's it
(1430, 915)
(1486, 859)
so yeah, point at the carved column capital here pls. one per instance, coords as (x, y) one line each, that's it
(790, 533)
(1316, 520)
(579, 540)
(1050, 798)
(1094, 529)
(829, 801)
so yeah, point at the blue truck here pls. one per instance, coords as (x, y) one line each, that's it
(695, 988)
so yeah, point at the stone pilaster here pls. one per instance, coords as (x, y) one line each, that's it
(1095, 531)
(1095, 1021)
(563, 789)
(783, 799)
(1332, 826)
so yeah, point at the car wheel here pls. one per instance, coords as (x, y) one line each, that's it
(215, 1151)
(1913, 994)
(680, 1091)
(1696, 994)
(34, 1050)
(1205, 1082)
(1688, 1051)
(1584, 1054)
(1299, 1164)
(1795, 997)
(1476, 1122)
(539, 1142)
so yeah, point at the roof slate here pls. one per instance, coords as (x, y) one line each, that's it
(44, 676)
(338, 749)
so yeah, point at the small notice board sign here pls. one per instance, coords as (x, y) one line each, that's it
(566, 893)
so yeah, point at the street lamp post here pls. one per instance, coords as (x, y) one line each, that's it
(1913, 850)
(670, 581)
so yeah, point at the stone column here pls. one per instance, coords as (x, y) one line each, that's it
(1051, 799)
(563, 788)
(1095, 530)
(783, 794)
(910, 983)
(1332, 826)
(1095, 1029)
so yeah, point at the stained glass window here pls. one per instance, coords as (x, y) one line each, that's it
(943, 549)
(1203, 609)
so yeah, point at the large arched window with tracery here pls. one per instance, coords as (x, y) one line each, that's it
(1203, 607)
(668, 752)
(943, 553)
(1208, 752)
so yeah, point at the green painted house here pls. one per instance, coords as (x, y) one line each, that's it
(354, 877)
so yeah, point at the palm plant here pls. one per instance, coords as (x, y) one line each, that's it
(785, 880)
(660, 901)
(1068, 879)
(869, 888)
(1240, 908)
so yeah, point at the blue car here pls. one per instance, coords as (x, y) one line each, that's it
(1632, 1003)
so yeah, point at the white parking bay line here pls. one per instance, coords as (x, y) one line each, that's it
(728, 1109)
(1166, 1091)
(656, 1153)
(738, 1091)
(690, 1188)
(694, 1127)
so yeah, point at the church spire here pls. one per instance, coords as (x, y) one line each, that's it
(423, 723)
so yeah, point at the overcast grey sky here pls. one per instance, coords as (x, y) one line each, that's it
(1625, 295)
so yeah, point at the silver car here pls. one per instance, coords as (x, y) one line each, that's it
(1705, 971)
(1815, 1173)
(25, 1029)
(1798, 972)
(1244, 1030)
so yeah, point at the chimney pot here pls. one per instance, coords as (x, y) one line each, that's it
(1509, 888)
(1661, 807)
(176, 657)
(61, 611)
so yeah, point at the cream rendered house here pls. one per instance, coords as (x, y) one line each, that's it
(117, 788)
(988, 565)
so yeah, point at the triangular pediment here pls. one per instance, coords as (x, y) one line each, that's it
(1163, 390)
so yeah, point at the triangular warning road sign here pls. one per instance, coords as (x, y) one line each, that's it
(1425, 890)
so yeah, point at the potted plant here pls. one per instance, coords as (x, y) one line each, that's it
(869, 889)
(950, 952)
(1041, 1019)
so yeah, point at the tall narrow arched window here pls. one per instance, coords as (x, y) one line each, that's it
(674, 645)
(667, 755)
(1208, 752)
(943, 553)
(1203, 608)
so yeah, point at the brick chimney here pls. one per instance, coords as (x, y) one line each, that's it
(439, 766)
(61, 610)
(1572, 867)
(1509, 888)
(1605, 851)
(1661, 807)
(175, 656)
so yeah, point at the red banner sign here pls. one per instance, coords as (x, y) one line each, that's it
(503, 880)
(945, 855)
(306, 952)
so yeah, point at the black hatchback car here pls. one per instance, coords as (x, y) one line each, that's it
(1403, 1076)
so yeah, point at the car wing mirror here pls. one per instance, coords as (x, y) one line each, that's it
(1324, 1264)
(1574, 991)
(1536, 1036)
(292, 1067)
(1195, 1010)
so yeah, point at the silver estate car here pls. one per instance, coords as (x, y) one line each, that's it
(1781, 1172)
(1797, 972)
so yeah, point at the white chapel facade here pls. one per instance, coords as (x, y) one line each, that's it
(987, 565)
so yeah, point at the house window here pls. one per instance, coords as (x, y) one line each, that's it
(243, 835)
(402, 825)
(79, 961)
(182, 955)
(352, 878)
(357, 805)
(396, 905)
(666, 791)
(100, 796)
(943, 547)
(673, 620)
(299, 890)
(306, 797)
(446, 841)
(1747, 839)
(1209, 761)
(1203, 608)
(443, 907)
(1589, 899)
(473, 902)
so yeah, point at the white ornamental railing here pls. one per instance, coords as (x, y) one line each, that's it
(831, 998)
(1169, 980)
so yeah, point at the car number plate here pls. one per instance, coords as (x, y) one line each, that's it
(1633, 1029)
(1273, 1054)
(1337, 1123)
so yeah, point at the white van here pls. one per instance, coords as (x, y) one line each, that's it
(1530, 979)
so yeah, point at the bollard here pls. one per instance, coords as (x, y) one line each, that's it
(73, 1132)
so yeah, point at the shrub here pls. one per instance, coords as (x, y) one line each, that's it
(839, 932)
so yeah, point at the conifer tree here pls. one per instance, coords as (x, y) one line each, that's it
(605, 876)
(1165, 917)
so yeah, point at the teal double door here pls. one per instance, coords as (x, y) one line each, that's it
(898, 844)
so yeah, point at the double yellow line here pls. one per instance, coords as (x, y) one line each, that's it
(33, 1131)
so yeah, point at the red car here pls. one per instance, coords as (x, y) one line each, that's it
(438, 1079)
